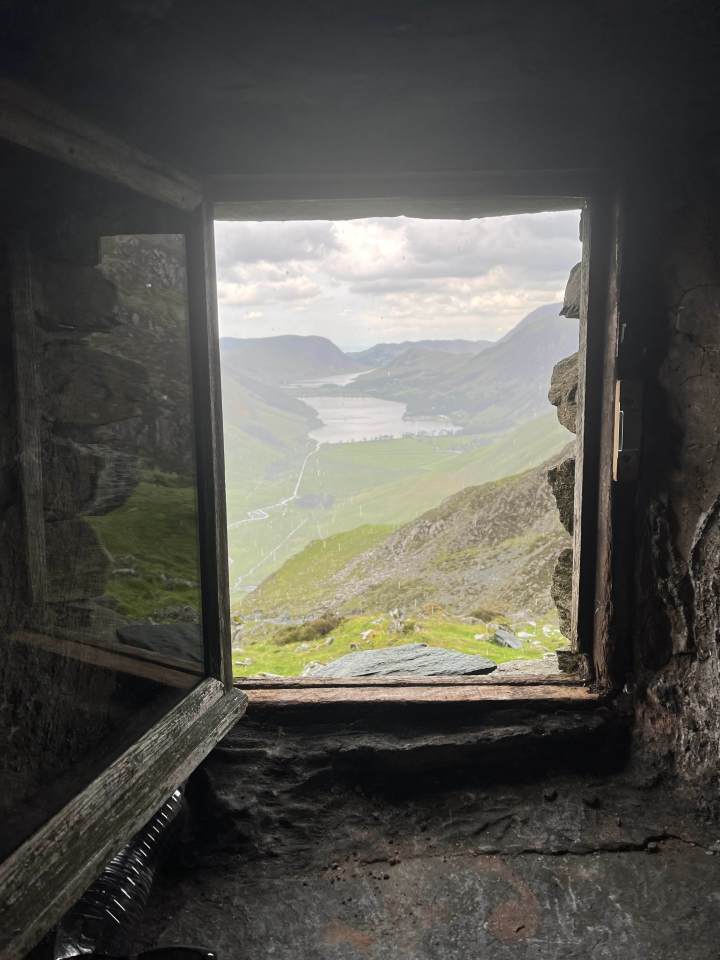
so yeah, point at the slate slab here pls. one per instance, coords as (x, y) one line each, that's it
(408, 659)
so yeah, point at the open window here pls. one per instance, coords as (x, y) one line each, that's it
(393, 418)
(330, 525)
(115, 641)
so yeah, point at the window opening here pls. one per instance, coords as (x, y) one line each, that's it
(394, 464)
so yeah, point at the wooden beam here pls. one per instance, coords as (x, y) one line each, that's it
(210, 458)
(45, 876)
(36, 123)
(27, 393)
(592, 547)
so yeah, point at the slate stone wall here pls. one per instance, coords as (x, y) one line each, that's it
(676, 623)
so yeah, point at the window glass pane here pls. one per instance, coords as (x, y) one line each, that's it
(100, 584)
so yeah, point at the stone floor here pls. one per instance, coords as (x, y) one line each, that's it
(293, 854)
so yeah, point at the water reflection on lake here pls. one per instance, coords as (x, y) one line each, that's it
(350, 419)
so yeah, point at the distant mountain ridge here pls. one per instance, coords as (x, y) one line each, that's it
(383, 353)
(505, 384)
(285, 359)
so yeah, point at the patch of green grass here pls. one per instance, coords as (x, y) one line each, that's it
(152, 539)
(260, 653)
(305, 632)
(302, 580)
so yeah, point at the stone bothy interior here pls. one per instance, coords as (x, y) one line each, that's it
(577, 817)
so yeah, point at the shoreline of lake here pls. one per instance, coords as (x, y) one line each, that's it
(362, 419)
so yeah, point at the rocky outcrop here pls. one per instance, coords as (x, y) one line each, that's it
(571, 300)
(563, 391)
(561, 589)
(561, 477)
(406, 660)
(562, 483)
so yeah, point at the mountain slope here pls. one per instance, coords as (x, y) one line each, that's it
(509, 382)
(505, 384)
(409, 372)
(490, 546)
(284, 359)
(383, 353)
(263, 426)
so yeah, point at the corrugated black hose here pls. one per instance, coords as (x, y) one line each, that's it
(104, 922)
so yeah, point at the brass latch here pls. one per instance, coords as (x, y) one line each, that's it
(628, 430)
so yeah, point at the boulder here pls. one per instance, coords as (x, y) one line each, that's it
(561, 589)
(563, 391)
(571, 300)
(561, 478)
(506, 638)
(408, 659)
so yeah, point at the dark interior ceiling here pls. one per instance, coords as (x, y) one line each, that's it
(285, 87)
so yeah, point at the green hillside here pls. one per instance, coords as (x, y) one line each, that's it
(377, 482)
(485, 554)
(382, 354)
(491, 545)
(303, 581)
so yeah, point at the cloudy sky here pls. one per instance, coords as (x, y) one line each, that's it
(360, 282)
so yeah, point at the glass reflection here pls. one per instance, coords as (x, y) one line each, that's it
(100, 604)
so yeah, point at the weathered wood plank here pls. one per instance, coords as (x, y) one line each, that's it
(592, 546)
(47, 874)
(309, 683)
(604, 637)
(27, 393)
(207, 402)
(36, 123)
(537, 694)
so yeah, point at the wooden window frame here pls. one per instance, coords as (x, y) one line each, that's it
(46, 874)
(594, 634)
(42, 878)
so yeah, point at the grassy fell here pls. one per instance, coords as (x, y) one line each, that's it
(261, 652)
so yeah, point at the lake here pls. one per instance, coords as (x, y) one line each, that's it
(352, 419)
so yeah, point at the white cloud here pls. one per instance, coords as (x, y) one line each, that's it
(360, 281)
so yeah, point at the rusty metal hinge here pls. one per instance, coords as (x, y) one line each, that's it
(628, 430)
